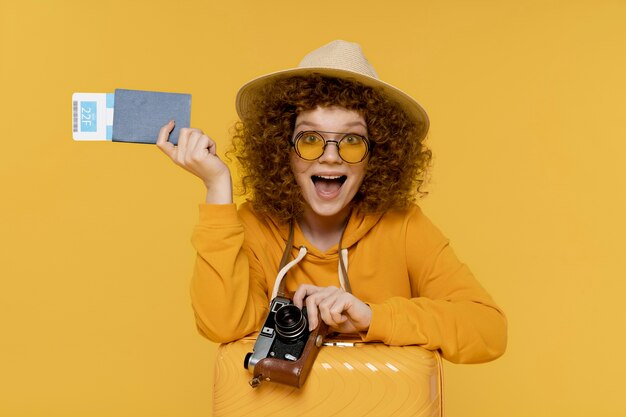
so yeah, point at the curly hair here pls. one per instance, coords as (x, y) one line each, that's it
(262, 144)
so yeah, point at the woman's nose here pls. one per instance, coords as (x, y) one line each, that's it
(331, 152)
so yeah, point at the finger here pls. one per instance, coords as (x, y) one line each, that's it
(183, 140)
(191, 145)
(302, 292)
(183, 136)
(163, 142)
(312, 313)
(199, 153)
(203, 149)
(332, 308)
(206, 145)
(212, 148)
(320, 300)
(337, 311)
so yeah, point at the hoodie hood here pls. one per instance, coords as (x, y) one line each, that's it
(358, 226)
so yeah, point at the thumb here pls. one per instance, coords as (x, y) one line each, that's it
(163, 139)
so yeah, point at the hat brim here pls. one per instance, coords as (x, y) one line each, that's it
(249, 90)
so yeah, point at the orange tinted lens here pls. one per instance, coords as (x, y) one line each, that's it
(353, 148)
(310, 145)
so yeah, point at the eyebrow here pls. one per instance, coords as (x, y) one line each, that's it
(347, 125)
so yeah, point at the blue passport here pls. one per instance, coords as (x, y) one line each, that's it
(139, 115)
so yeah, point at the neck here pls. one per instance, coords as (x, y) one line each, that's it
(323, 231)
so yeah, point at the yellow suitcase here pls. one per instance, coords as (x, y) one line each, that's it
(347, 379)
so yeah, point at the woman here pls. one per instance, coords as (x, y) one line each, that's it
(330, 150)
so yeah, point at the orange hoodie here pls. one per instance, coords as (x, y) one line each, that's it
(398, 262)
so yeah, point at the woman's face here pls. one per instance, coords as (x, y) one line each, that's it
(328, 184)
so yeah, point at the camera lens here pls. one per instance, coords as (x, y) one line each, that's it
(290, 322)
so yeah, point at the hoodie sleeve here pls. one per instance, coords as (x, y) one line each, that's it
(228, 301)
(450, 311)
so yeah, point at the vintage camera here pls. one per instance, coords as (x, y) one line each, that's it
(285, 348)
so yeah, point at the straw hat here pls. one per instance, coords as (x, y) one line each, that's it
(338, 59)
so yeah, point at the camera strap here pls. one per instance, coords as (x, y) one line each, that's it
(288, 247)
(343, 266)
(279, 285)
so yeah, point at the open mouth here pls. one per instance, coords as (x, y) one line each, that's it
(328, 184)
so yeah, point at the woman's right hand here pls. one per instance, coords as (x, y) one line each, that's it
(196, 153)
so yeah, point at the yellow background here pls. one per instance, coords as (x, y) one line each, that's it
(527, 101)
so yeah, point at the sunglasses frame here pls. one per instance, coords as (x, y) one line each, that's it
(368, 143)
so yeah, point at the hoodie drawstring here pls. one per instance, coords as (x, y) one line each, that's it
(342, 269)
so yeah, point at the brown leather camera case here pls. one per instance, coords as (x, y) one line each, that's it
(292, 373)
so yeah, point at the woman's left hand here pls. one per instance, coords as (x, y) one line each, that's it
(340, 310)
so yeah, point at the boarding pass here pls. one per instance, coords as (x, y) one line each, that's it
(92, 116)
